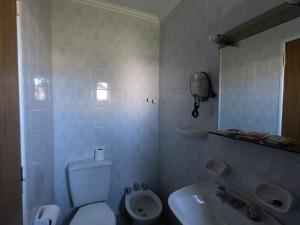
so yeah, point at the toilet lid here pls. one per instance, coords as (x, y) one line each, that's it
(94, 214)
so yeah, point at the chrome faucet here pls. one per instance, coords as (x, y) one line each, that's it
(136, 186)
(254, 213)
(226, 196)
(221, 192)
(145, 186)
(128, 190)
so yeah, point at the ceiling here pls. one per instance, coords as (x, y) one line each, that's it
(160, 8)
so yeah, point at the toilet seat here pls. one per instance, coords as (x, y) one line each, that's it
(94, 214)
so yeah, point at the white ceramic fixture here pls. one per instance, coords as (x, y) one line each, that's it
(47, 215)
(89, 185)
(275, 197)
(198, 205)
(192, 132)
(217, 167)
(143, 206)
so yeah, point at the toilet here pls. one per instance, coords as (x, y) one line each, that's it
(143, 206)
(89, 182)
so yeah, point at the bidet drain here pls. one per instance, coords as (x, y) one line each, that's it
(141, 210)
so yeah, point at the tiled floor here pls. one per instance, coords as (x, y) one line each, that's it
(124, 220)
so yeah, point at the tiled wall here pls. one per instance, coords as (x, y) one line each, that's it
(36, 105)
(250, 165)
(251, 79)
(98, 54)
(185, 48)
(115, 54)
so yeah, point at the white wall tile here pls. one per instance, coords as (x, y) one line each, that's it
(37, 128)
(90, 46)
(185, 48)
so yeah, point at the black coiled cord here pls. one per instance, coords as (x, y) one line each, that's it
(195, 112)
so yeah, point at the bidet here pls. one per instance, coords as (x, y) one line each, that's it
(143, 205)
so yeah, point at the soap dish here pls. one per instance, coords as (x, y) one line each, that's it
(217, 167)
(275, 197)
(191, 132)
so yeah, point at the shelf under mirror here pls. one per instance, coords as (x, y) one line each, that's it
(288, 148)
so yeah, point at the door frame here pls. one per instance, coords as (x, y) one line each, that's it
(282, 77)
(10, 172)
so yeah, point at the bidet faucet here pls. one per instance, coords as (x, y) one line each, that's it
(136, 186)
(128, 190)
(145, 186)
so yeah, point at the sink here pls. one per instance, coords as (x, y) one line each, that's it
(198, 205)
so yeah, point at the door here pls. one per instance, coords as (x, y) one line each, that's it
(10, 180)
(291, 99)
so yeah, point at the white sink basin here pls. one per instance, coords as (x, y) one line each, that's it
(198, 205)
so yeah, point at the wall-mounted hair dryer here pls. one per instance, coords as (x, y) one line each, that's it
(201, 90)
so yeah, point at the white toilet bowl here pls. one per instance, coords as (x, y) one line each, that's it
(89, 182)
(143, 206)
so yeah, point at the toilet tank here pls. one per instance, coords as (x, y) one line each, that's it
(89, 181)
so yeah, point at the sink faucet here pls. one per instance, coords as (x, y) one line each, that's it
(221, 192)
(254, 213)
(226, 196)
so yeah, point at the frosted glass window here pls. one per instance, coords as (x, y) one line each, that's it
(102, 91)
(40, 88)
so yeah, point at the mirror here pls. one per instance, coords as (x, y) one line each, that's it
(260, 82)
